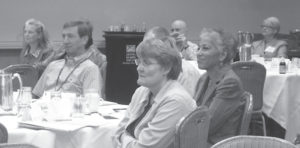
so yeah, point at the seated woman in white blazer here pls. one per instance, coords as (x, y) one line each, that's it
(160, 101)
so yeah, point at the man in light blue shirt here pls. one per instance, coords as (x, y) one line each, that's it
(75, 73)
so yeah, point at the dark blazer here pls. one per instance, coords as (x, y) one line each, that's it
(224, 100)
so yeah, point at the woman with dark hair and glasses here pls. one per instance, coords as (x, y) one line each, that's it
(36, 50)
(270, 46)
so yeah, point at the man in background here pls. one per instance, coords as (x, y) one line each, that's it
(74, 73)
(186, 48)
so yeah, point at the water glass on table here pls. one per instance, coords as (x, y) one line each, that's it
(79, 105)
(274, 65)
(58, 106)
(23, 103)
(93, 100)
(295, 63)
(292, 66)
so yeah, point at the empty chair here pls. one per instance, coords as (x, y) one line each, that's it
(253, 75)
(3, 134)
(16, 145)
(192, 130)
(253, 142)
(27, 72)
(247, 114)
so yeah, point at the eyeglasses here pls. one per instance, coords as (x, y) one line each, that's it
(144, 63)
(203, 48)
(266, 26)
(175, 29)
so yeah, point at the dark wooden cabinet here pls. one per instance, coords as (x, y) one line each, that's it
(121, 76)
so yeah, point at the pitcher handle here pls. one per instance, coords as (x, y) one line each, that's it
(16, 75)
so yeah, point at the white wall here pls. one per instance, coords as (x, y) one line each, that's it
(232, 15)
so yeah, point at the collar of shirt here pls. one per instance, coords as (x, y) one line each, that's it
(35, 53)
(75, 60)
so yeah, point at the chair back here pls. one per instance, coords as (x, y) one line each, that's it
(16, 145)
(253, 142)
(252, 75)
(246, 118)
(3, 134)
(27, 72)
(103, 74)
(192, 130)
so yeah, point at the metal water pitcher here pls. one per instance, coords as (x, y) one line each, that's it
(6, 89)
(245, 49)
(241, 40)
(248, 37)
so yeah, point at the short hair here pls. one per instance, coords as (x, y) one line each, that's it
(167, 57)
(162, 34)
(223, 40)
(274, 23)
(40, 29)
(85, 28)
(182, 23)
(157, 32)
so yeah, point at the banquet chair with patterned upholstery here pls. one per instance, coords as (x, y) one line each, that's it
(3, 134)
(253, 142)
(16, 145)
(192, 130)
(247, 114)
(27, 72)
(253, 75)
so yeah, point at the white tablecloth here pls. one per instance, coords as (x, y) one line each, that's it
(86, 137)
(282, 101)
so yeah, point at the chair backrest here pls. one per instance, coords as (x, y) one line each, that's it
(3, 134)
(192, 130)
(27, 72)
(246, 118)
(103, 74)
(16, 145)
(252, 75)
(253, 142)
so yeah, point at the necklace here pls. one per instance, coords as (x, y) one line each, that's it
(75, 67)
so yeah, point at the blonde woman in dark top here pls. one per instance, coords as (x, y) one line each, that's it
(36, 50)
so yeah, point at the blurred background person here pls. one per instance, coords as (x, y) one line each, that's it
(270, 46)
(74, 73)
(160, 101)
(36, 50)
(220, 89)
(190, 74)
(186, 48)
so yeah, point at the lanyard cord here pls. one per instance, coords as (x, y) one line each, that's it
(75, 67)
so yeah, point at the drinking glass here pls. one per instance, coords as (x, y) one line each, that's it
(23, 102)
(296, 61)
(78, 106)
(293, 66)
(55, 95)
(274, 65)
(92, 100)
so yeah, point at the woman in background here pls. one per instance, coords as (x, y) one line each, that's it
(220, 89)
(36, 50)
(156, 106)
(270, 46)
